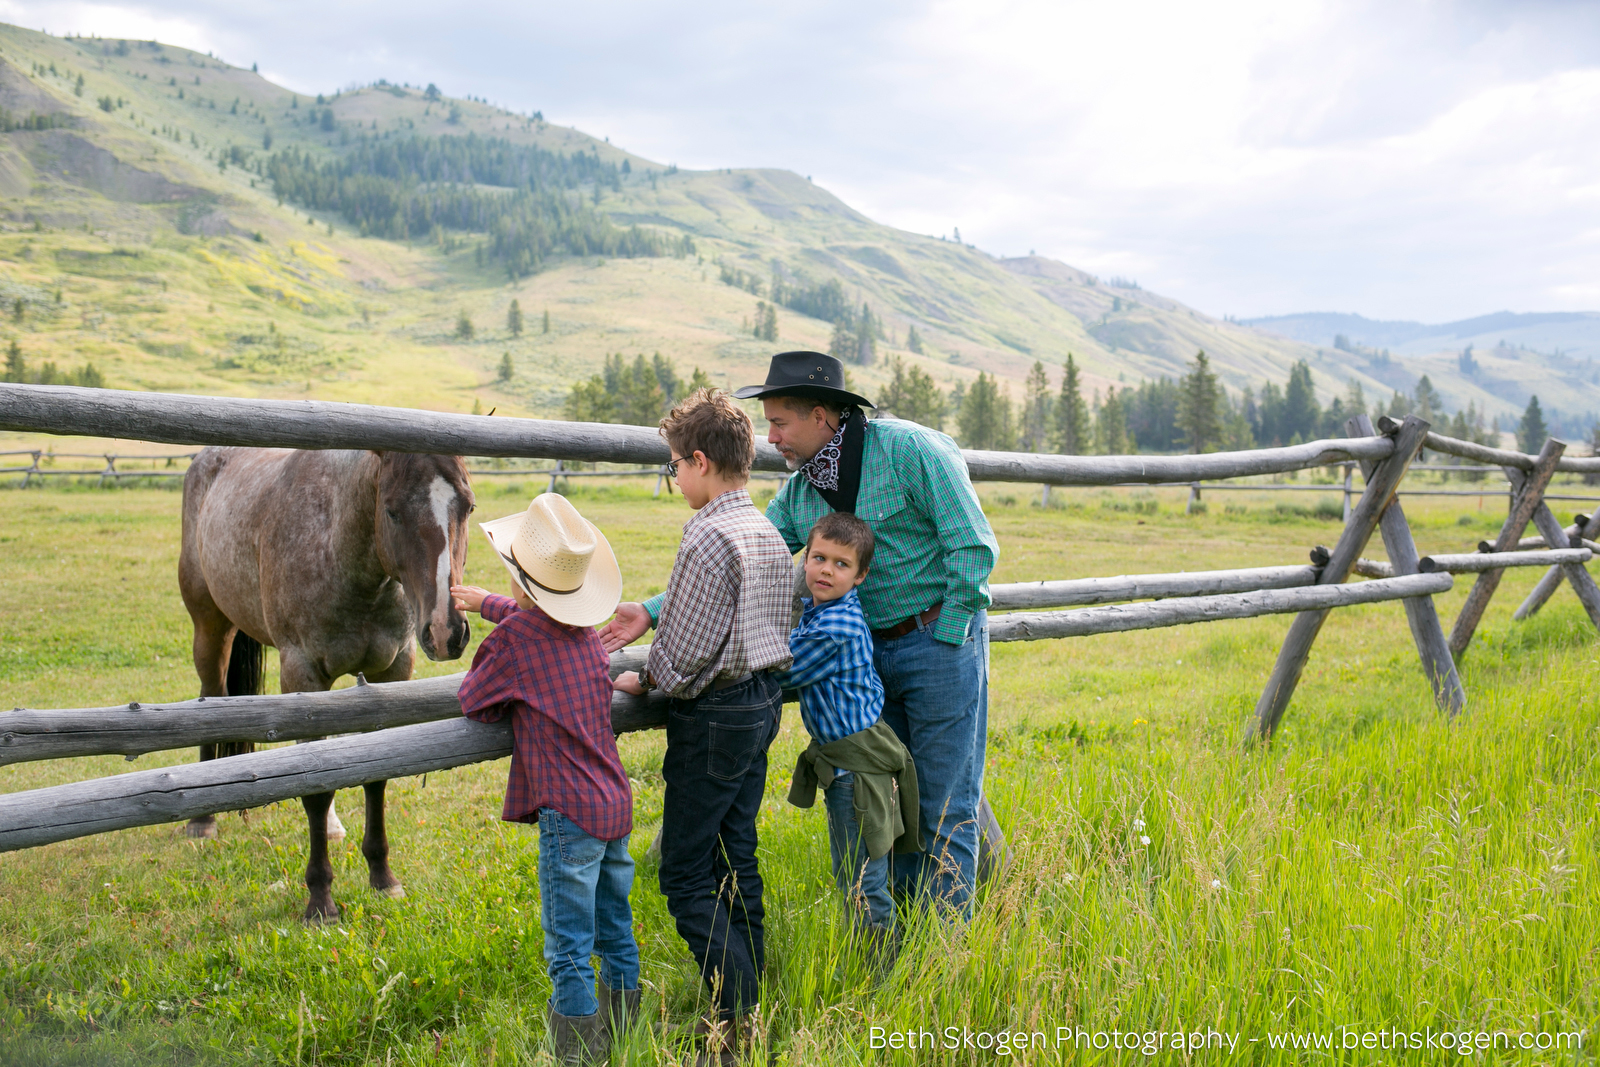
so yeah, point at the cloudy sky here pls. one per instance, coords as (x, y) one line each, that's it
(1421, 160)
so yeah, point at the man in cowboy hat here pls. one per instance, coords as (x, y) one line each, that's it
(925, 597)
(544, 665)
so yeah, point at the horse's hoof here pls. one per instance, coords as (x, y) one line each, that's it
(316, 917)
(394, 892)
(336, 835)
(206, 829)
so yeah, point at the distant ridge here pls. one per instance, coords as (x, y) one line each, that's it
(1574, 333)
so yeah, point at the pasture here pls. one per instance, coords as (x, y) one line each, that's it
(1375, 869)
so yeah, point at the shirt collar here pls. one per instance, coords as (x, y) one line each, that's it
(731, 499)
(811, 607)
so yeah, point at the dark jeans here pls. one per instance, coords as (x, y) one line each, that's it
(936, 700)
(716, 772)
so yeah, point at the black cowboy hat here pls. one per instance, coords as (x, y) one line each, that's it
(808, 374)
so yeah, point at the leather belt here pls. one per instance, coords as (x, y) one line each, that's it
(900, 629)
(729, 683)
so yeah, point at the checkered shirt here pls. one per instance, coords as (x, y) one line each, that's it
(727, 604)
(555, 681)
(840, 692)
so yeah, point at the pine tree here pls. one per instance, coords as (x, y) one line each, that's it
(1355, 401)
(912, 395)
(766, 324)
(842, 345)
(591, 401)
(866, 338)
(1198, 399)
(1111, 426)
(1532, 432)
(914, 341)
(514, 319)
(546, 321)
(16, 366)
(1072, 414)
(1300, 410)
(1036, 410)
(1428, 405)
(699, 379)
(464, 330)
(507, 369)
(985, 416)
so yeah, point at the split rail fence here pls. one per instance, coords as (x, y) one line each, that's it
(415, 727)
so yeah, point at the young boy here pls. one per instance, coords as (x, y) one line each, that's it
(544, 666)
(869, 782)
(722, 628)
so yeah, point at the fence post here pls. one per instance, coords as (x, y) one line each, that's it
(1525, 499)
(1349, 474)
(661, 473)
(1422, 615)
(1194, 498)
(1588, 529)
(1577, 575)
(32, 470)
(554, 474)
(1381, 486)
(109, 472)
(1044, 497)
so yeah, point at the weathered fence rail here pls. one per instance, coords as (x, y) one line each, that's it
(173, 418)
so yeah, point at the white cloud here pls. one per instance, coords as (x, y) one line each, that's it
(1403, 159)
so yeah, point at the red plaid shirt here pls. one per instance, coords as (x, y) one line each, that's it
(555, 681)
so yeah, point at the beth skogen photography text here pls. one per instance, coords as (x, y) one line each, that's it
(934, 535)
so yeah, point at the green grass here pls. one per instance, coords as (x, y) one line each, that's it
(1376, 868)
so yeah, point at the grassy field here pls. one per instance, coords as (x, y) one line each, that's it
(1376, 869)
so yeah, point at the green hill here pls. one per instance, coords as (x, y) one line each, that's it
(143, 232)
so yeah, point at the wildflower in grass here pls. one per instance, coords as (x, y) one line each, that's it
(1144, 839)
(1138, 824)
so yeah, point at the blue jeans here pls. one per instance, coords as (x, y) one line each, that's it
(863, 881)
(584, 910)
(936, 699)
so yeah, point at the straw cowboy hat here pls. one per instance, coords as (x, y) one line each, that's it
(560, 559)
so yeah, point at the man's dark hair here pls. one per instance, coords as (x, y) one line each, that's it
(708, 421)
(843, 528)
(803, 406)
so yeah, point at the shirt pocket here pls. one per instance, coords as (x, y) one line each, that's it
(883, 504)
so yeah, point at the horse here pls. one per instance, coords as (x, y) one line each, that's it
(342, 560)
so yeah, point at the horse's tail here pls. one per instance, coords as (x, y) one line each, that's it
(246, 662)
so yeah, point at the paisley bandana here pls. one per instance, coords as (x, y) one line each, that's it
(822, 469)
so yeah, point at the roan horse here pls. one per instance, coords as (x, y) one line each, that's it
(338, 559)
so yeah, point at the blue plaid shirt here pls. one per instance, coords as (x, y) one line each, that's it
(840, 692)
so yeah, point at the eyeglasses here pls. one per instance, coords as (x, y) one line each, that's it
(672, 465)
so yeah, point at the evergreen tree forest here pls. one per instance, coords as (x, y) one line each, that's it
(637, 393)
(418, 187)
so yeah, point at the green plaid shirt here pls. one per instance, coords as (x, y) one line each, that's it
(934, 543)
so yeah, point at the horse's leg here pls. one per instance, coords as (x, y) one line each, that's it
(213, 637)
(375, 845)
(375, 841)
(319, 871)
(299, 675)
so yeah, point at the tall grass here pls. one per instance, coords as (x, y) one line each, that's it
(1376, 869)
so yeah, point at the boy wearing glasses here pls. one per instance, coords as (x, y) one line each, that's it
(722, 629)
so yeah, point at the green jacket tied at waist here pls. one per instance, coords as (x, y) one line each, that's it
(885, 786)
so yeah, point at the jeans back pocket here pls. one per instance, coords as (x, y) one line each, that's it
(733, 747)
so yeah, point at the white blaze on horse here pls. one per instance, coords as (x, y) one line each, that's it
(340, 560)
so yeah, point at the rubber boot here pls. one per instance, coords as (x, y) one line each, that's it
(578, 1040)
(620, 1006)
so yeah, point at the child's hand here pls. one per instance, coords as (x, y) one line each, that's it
(469, 597)
(628, 682)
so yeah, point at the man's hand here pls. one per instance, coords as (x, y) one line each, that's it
(628, 682)
(469, 597)
(629, 624)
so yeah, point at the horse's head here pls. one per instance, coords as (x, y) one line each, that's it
(423, 504)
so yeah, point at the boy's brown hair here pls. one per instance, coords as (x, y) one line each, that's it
(843, 528)
(709, 421)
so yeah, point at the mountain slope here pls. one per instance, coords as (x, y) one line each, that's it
(141, 233)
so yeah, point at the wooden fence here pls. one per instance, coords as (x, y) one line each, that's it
(408, 737)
